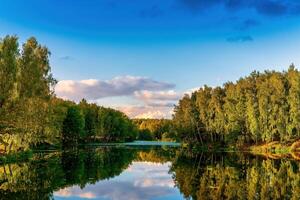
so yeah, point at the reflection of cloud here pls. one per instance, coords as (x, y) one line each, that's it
(93, 89)
(142, 181)
(154, 174)
(68, 192)
(64, 192)
(150, 182)
(88, 195)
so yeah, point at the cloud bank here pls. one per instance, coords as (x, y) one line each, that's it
(146, 95)
(147, 98)
(155, 99)
(93, 89)
(152, 111)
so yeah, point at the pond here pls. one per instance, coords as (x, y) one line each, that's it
(135, 172)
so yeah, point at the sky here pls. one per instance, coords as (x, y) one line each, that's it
(141, 56)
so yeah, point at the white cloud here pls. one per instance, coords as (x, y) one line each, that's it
(138, 97)
(150, 112)
(190, 91)
(92, 89)
(157, 114)
(146, 95)
(158, 104)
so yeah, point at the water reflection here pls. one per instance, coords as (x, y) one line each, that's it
(142, 180)
(149, 173)
(236, 176)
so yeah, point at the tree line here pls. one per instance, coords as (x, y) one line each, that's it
(261, 107)
(31, 115)
(154, 129)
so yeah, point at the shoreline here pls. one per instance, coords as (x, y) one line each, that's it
(277, 150)
(272, 150)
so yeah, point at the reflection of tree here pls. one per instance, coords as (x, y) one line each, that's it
(200, 177)
(156, 155)
(106, 163)
(33, 180)
(44, 174)
(197, 175)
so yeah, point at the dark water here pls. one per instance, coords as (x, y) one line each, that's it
(149, 173)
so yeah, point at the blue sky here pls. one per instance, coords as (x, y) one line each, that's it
(156, 50)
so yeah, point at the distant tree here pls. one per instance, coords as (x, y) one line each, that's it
(90, 113)
(144, 135)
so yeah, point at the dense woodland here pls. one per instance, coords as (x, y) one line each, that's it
(155, 129)
(258, 108)
(31, 115)
(261, 107)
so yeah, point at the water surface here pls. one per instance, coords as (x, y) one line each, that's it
(149, 173)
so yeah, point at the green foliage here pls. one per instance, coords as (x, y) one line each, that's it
(262, 107)
(115, 126)
(73, 127)
(30, 114)
(25, 91)
(144, 135)
(154, 129)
